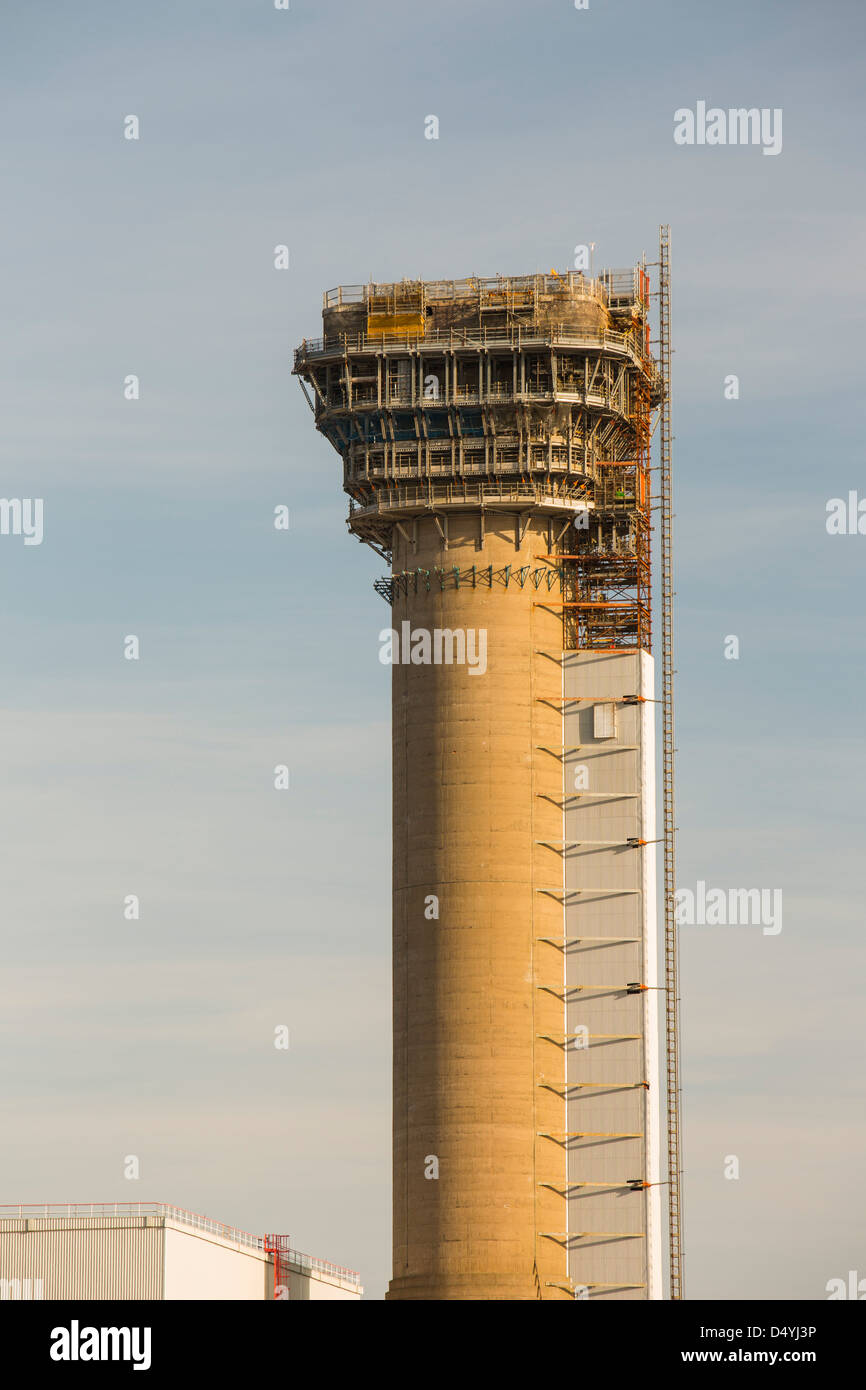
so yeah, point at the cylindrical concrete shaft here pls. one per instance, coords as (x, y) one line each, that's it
(477, 784)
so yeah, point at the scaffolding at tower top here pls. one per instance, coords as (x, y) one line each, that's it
(524, 394)
(609, 287)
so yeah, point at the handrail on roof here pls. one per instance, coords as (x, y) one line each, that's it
(47, 1210)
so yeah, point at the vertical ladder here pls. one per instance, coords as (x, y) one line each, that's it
(671, 939)
(281, 1249)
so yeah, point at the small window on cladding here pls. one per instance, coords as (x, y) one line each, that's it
(604, 721)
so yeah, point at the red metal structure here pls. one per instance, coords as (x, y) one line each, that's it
(281, 1248)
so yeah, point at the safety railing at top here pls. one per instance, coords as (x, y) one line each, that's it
(522, 335)
(47, 1210)
(473, 493)
(490, 287)
(324, 1267)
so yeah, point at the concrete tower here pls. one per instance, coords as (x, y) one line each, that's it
(494, 436)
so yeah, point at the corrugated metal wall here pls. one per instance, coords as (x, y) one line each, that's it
(93, 1257)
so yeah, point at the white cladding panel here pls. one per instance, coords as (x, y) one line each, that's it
(612, 1058)
(200, 1265)
(652, 1000)
(309, 1288)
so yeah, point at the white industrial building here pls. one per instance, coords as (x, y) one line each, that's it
(147, 1250)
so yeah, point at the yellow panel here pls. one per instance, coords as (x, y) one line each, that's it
(412, 325)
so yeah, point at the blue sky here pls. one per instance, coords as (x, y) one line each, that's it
(155, 257)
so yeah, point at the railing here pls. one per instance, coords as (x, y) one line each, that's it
(497, 395)
(438, 464)
(324, 1267)
(518, 336)
(46, 1210)
(38, 1211)
(431, 492)
(345, 294)
(489, 289)
(621, 284)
